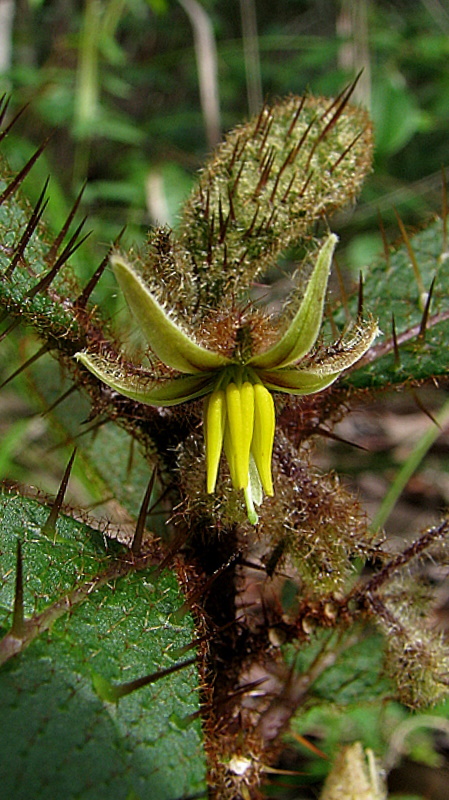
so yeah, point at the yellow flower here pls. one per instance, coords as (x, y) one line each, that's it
(239, 414)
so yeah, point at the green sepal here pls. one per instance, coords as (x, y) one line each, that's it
(164, 336)
(304, 328)
(142, 388)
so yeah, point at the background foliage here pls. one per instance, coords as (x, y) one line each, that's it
(117, 85)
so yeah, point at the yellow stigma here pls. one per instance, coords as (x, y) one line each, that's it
(241, 419)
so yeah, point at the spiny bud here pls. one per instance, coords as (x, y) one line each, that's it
(266, 185)
(416, 656)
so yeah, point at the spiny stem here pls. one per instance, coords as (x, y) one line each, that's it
(186, 607)
(413, 551)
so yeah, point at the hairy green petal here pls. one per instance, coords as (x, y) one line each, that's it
(304, 328)
(142, 388)
(294, 381)
(165, 338)
(347, 353)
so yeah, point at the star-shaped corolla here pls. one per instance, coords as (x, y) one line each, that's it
(239, 414)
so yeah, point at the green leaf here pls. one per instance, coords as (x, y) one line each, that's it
(91, 618)
(393, 290)
(295, 381)
(396, 114)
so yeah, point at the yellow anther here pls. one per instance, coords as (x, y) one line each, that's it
(263, 436)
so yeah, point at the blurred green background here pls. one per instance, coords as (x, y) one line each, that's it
(136, 92)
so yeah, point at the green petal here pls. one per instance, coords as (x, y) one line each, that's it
(165, 338)
(295, 381)
(144, 389)
(303, 330)
(346, 353)
(317, 375)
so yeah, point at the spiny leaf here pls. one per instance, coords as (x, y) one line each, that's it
(415, 348)
(69, 742)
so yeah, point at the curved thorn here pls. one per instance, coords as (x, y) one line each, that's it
(136, 546)
(18, 627)
(425, 315)
(51, 255)
(42, 350)
(49, 526)
(11, 188)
